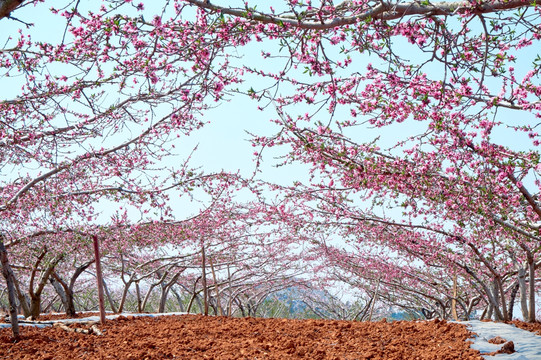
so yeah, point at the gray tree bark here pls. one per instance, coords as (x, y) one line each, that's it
(7, 6)
(10, 281)
(531, 267)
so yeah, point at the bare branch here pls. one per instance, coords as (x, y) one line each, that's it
(384, 10)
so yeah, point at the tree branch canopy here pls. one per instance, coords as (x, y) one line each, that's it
(384, 10)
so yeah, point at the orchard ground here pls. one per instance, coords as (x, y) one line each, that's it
(209, 337)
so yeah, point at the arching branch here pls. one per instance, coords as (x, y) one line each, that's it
(384, 10)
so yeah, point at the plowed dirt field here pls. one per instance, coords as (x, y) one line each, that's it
(207, 337)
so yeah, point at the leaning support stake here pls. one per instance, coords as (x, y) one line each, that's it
(99, 278)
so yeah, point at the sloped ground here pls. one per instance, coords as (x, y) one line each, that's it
(206, 337)
(508, 341)
(533, 327)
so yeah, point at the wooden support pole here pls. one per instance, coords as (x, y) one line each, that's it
(99, 278)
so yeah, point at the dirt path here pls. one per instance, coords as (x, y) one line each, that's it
(200, 337)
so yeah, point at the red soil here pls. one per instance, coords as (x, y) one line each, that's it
(205, 337)
(532, 327)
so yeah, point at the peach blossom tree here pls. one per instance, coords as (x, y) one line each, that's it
(417, 114)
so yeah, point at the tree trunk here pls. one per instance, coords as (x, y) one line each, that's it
(163, 299)
(195, 297)
(35, 306)
(199, 303)
(523, 292)
(60, 291)
(251, 308)
(147, 297)
(65, 294)
(65, 290)
(24, 300)
(492, 298)
(499, 284)
(7, 272)
(190, 303)
(50, 306)
(473, 302)
(125, 293)
(485, 312)
(179, 299)
(495, 309)
(109, 298)
(490, 311)
(35, 294)
(512, 299)
(212, 305)
(531, 268)
(240, 307)
(138, 295)
(494, 302)
(194, 294)
(165, 291)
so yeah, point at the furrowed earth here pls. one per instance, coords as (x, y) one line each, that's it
(209, 337)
